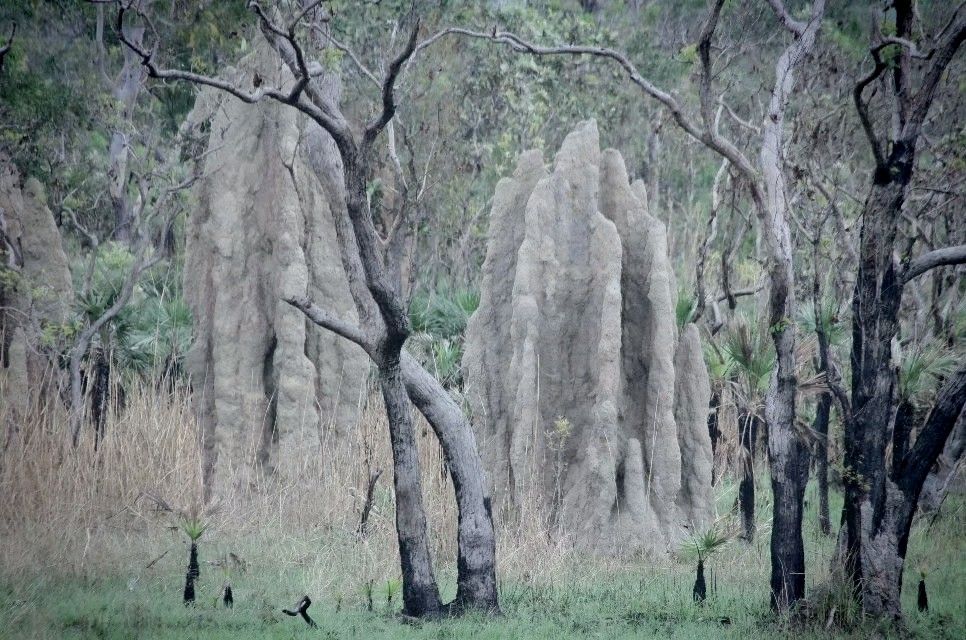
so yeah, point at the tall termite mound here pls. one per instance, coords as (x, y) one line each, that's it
(35, 295)
(588, 403)
(264, 385)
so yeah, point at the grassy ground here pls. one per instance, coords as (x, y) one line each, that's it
(576, 598)
(83, 554)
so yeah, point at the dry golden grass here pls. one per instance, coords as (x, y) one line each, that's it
(82, 530)
(78, 510)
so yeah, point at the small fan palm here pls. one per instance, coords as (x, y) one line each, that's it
(685, 307)
(922, 369)
(826, 318)
(439, 321)
(194, 527)
(752, 361)
(702, 546)
(752, 358)
(719, 364)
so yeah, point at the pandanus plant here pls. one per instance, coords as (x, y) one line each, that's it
(823, 320)
(922, 369)
(702, 546)
(194, 528)
(752, 360)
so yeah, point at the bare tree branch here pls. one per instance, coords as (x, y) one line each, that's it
(337, 129)
(943, 55)
(667, 99)
(795, 26)
(328, 321)
(863, 108)
(933, 259)
(708, 239)
(388, 92)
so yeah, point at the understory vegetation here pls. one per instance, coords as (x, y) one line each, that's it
(804, 165)
(99, 551)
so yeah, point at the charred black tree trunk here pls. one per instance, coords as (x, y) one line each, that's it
(194, 570)
(192, 574)
(822, 412)
(902, 431)
(700, 591)
(189, 590)
(713, 430)
(881, 498)
(824, 406)
(788, 481)
(420, 593)
(100, 395)
(747, 437)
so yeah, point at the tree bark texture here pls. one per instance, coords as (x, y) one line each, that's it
(421, 595)
(787, 449)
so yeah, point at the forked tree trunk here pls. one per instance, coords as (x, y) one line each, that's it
(882, 532)
(476, 550)
(420, 595)
(881, 498)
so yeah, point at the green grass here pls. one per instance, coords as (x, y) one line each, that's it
(584, 598)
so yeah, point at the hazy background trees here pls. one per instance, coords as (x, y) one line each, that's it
(78, 113)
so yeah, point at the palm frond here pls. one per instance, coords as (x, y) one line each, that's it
(923, 368)
(752, 358)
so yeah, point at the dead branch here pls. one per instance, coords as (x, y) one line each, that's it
(934, 259)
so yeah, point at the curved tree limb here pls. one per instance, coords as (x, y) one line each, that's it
(374, 128)
(338, 130)
(795, 26)
(934, 259)
(916, 464)
(700, 132)
(326, 320)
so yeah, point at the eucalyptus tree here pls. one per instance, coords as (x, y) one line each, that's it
(882, 490)
(766, 183)
(751, 366)
(383, 318)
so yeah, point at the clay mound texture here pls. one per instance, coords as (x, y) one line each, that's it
(33, 294)
(266, 385)
(588, 404)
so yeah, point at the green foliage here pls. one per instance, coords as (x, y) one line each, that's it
(392, 589)
(686, 305)
(828, 319)
(703, 545)
(752, 358)
(439, 320)
(719, 364)
(193, 526)
(443, 313)
(447, 356)
(921, 370)
(153, 330)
